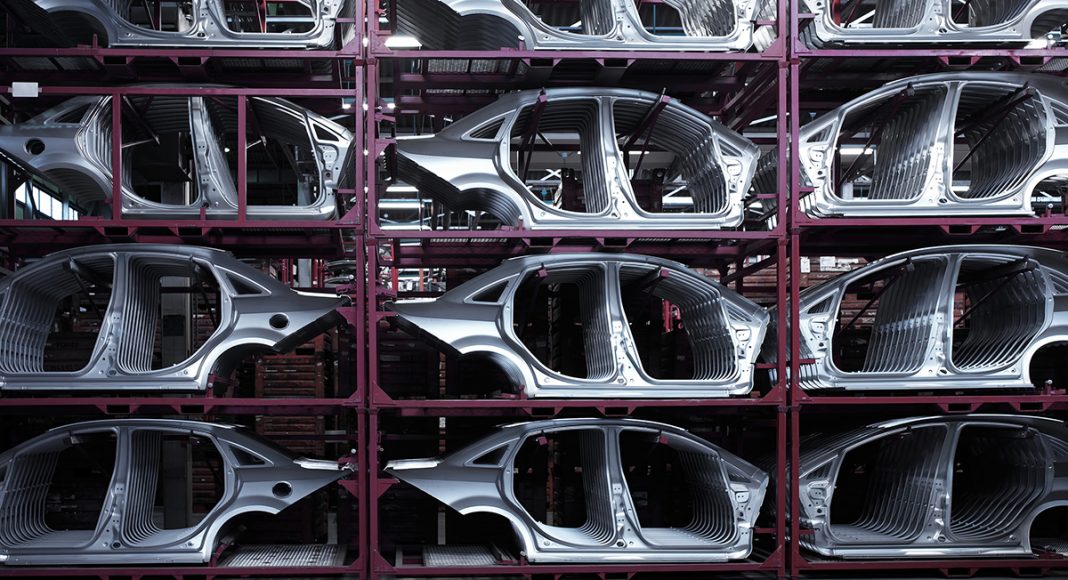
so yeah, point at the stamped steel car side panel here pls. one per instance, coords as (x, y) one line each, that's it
(203, 24)
(73, 150)
(466, 165)
(256, 313)
(717, 25)
(730, 491)
(1017, 312)
(934, 22)
(1016, 126)
(126, 532)
(913, 509)
(725, 329)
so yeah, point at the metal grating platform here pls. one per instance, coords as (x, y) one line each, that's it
(443, 556)
(285, 556)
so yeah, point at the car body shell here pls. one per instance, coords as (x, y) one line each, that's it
(76, 154)
(469, 484)
(462, 323)
(933, 365)
(464, 168)
(277, 480)
(65, 19)
(930, 191)
(934, 24)
(256, 313)
(614, 25)
(822, 458)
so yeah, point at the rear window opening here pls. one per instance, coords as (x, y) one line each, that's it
(884, 488)
(999, 138)
(562, 319)
(885, 148)
(272, 16)
(679, 327)
(999, 473)
(560, 480)
(885, 318)
(679, 493)
(999, 307)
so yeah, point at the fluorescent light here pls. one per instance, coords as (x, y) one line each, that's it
(401, 41)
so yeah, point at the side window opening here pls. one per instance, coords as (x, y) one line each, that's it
(561, 318)
(883, 487)
(177, 480)
(871, 334)
(492, 294)
(246, 458)
(559, 478)
(491, 458)
(678, 492)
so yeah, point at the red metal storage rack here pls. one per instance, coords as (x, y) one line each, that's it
(859, 71)
(404, 83)
(322, 80)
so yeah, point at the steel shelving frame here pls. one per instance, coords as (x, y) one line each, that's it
(876, 237)
(726, 251)
(292, 74)
(355, 72)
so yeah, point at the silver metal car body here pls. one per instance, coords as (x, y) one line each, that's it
(198, 23)
(1013, 124)
(479, 479)
(934, 22)
(467, 165)
(933, 492)
(255, 313)
(1018, 303)
(725, 330)
(258, 476)
(70, 145)
(718, 25)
